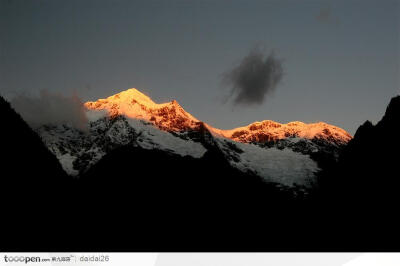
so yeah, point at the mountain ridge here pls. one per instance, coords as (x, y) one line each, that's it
(159, 200)
(289, 154)
(171, 116)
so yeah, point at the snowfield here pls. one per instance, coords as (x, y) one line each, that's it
(281, 166)
(151, 137)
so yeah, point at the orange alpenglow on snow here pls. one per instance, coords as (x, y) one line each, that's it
(268, 130)
(171, 116)
(134, 104)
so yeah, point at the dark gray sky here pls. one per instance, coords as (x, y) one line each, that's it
(340, 58)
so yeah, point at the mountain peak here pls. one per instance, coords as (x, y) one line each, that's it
(269, 130)
(134, 104)
(132, 95)
(393, 110)
(171, 116)
(175, 102)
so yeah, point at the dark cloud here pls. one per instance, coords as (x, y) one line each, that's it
(51, 108)
(325, 16)
(254, 78)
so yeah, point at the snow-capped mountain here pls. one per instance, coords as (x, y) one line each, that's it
(134, 104)
(267, 131)
(280, 153)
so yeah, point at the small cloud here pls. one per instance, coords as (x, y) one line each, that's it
(51, 108)
(326, 16)
(257, 75)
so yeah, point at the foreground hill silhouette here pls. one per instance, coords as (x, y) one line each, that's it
(367, 170)
(26, 159)
(371, 160)
(169, 202)
(133, 198)
(151, 200)
(32, 181)
(361, 191)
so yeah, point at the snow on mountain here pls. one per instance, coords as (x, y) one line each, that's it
(268, 130)
(283, 166)
(172, 117)
(134, 104)
(78, 150)
(277, 152)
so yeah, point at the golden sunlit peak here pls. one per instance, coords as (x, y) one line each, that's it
(296, 123)
(268, 130)
(171, 116)
(132, 103)
(134, 94)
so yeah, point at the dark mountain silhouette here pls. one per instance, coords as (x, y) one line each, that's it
(205, 204)
(172, 176)
(361, 191)
(26, 159)
(171, 202)
(368, 164)
(134, 199)
(32, 181)
(152, 200)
